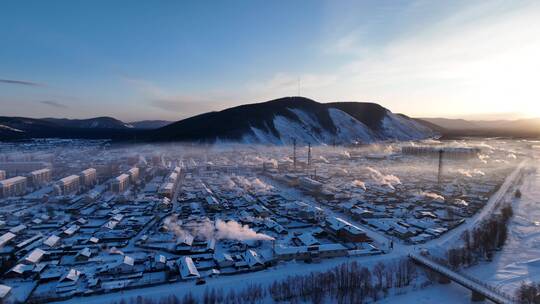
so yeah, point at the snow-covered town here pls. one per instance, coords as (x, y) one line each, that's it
(84, 218)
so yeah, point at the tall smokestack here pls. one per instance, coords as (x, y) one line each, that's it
(439, 174)
(309, 155)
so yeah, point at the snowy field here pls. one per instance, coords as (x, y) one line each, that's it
(519, 260)
(440, 294)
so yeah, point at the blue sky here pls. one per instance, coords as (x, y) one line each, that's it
(172, 59)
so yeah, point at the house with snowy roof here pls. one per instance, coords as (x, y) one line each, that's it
(187, 268)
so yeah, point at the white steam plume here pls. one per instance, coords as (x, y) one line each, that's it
(470, 173)
(219, 230)
(483, 158)
(358, 183)
(431, 195)
(382, 179)
(233, 230)
(323, 159)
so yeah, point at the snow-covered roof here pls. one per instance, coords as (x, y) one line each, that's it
(186, 239)
(11, 181)
(72, 229)
(118, 217)
(307, 239)
(129, 260)
(188, 268)
(17, 229)
(22, 268)
(35, 256)
(122, 177)
(6, 237)
(252, 258)
(222, 257)
(86, 252)
(159, 258)
(69, 179)
(52, 240)
(72, 275)
(110, 224)
(4, 291)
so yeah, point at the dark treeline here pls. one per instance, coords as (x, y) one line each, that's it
(481, 242)
(347, 283)
(344, 284)
(528, 293)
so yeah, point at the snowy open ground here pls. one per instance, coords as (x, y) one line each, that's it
(519, 260)
(440, 294)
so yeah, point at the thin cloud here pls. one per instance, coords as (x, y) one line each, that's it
(180, 105)
(53, 103)
(21, 82)
(184, 106)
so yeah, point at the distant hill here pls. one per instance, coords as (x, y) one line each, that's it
(283, 120)
(510, 128)
(91, 123)
(150, 124)
(14, 128)
(451, 124)
(279, 121)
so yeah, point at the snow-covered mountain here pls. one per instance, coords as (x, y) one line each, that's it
(279, 121)
(15, 128)
(348, 130)
(90, 123)
(283, 120)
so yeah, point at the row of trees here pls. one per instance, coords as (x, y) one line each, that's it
(481, 242)
(343, 284)
(252, 293)
(347, 283)
(528, 293)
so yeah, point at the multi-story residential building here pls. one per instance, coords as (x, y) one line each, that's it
(68, 185)
(120, 183)
(13, 186)
(133, 174)
(41, 177)
(88, 177)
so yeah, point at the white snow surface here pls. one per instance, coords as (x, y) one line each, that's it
(519, 260)
(10, 128)
(400, 128)
(348, 129)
